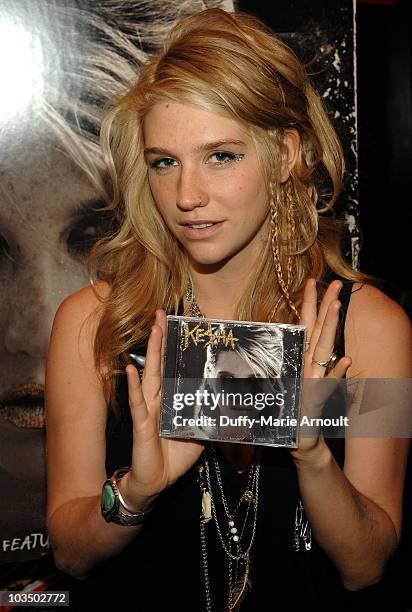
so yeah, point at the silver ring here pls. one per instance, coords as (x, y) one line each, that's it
(307, 345)
(329, 363)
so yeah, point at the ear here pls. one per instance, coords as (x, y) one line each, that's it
(290, 153)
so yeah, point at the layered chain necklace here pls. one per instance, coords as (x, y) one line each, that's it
(236, 526)
(235, 523)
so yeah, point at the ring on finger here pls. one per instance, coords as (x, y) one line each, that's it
(329, 363)
(307, 344)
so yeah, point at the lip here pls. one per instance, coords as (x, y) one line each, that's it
(205, 232)
(24, 406)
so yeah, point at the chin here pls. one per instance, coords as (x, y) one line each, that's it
(208, 259)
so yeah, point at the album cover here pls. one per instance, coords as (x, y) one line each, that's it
(232, 381)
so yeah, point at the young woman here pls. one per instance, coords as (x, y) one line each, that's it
(222, 161)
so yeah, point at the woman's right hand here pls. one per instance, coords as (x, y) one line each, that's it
(156, 462)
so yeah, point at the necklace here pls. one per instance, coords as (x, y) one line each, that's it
(236, 530)
(236, 526)
(241, 521)
(193, 308)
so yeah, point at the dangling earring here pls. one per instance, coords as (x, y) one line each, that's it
(274, 234)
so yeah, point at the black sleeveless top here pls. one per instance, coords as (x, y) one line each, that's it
(162, 568)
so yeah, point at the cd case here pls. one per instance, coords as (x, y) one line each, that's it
(232, 381)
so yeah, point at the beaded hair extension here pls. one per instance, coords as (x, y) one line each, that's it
(291, 228)
(274, 234)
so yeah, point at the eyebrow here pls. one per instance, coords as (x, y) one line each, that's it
(93, 205)
(208, 146)
(223, 372)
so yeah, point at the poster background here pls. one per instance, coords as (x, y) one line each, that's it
(61, 62)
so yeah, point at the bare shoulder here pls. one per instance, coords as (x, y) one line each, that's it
(80, 312)
(378, 334)
(84, 302)
(74, 327)
(372, 311)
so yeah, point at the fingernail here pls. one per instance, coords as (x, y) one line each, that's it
(138, 359)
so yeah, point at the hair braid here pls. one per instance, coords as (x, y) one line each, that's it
(274, 236)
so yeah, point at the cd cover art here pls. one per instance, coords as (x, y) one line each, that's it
(232, 381)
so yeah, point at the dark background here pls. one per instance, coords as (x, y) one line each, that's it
(385, 143)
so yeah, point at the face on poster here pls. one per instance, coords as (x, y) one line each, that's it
(58, 73)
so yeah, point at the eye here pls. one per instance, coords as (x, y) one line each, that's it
(163, 163)
(5, 250)
(4, 247)
(225, 375)
(224, 157)
(87, 229)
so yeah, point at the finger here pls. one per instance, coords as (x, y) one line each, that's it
(153, 355)
(326, 341)
(341, 368)
(138, 408)
(309, 306)
(317, 390)
(151, 377)
(331, 294)
(161, 320)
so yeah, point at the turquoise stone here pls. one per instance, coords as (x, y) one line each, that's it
(107, 498)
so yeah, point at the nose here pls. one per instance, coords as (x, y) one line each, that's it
(35, 295)
(190, 191)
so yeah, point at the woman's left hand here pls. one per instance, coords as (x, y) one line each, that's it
(322, 326)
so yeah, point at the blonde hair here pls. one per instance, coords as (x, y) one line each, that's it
(260, 347)
(233, 65)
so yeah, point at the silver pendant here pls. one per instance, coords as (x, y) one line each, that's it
(206, 506)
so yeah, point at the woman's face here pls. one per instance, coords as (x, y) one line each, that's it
(203, 170)
(234, 374)
(47, 226)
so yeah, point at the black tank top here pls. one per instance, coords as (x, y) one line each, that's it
(161, 569)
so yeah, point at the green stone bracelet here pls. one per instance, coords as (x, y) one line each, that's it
(112, 502)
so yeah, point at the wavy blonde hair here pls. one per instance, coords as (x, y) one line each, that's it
(260, 347)
(233, 65)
